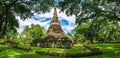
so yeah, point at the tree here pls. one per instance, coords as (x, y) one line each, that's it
(35, 31)
(9, 9)
(99, 13)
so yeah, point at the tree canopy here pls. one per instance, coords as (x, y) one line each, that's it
(34, 32)
(95, 19)
(9, 9)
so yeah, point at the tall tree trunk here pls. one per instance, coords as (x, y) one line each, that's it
(5, 26)
(109, 36)
(1, 23)
(3, 13)
(91, 40)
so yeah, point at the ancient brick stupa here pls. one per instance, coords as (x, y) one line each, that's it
(55, 36)
(55, 28)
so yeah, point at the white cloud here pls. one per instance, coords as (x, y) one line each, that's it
(29, 22)
(68, 28)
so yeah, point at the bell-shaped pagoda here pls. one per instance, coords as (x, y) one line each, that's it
(55, 36)
(55, 28)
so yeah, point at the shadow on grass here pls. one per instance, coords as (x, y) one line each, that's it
(110, 50)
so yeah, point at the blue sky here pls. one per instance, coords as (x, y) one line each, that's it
(62, 21)
(67, 22)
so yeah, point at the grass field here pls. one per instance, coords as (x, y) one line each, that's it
(9, 52)
(109, 51)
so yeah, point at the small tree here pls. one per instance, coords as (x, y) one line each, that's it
(35, 31)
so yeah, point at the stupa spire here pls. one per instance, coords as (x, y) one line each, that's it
(55, 17)
(55, 12)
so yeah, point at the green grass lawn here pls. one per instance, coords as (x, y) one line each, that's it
(110, 50)
(9, 52)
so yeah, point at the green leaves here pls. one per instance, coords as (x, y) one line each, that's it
(35, 31)
(22, 8)
(12, 23)
(99, 15)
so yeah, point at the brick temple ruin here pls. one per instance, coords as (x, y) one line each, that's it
(55, 36)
